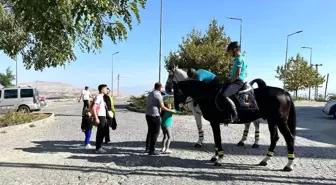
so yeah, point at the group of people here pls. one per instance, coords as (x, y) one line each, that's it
(158, 113)
(100, 112)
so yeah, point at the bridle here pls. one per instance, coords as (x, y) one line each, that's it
(175, 84)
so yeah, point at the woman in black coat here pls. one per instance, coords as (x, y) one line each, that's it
(109, 106)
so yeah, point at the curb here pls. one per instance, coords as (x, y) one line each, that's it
(28, 125)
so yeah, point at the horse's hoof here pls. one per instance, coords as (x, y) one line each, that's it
(217, 164)
(213, 159)
(255, 146)
(240, 144)
(287, 169)
(198, 145)
(263, 163)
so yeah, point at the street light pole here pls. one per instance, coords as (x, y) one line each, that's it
(287, 53)
(112, 72)
(311, 53)
(16, 72)
(241, 28)
(160, 50)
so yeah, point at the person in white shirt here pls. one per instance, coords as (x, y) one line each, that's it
(86, 97)
(99, 113)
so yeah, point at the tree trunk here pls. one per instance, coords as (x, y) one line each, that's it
(296, 93)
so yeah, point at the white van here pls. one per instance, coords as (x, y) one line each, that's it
(24, 99)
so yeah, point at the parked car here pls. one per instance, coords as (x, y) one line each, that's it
(24, 99)
(330, 108)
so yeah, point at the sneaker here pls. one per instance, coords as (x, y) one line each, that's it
(146, 150)
(154, 153)
(168, 151)
(163, 150)
(88, 146)
(101, 151)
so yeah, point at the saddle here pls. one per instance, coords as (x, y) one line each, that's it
(244, 99)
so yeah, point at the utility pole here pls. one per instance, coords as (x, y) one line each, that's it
(284, 83)
(326, 87)
(112, 73)
(16, 72)
(118, 84)
(316, 87)
(241, 29)
(160, 50)
(311, 53)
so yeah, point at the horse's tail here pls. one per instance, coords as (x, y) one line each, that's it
(292, 116)
(260, 82)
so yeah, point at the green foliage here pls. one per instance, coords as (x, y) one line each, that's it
(7, 78)
(15, 118)
(139, 102)
(298, 75)
(203, 51)
(47, 33)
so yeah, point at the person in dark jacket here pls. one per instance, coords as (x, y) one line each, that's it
(110, 106)
(86, 127)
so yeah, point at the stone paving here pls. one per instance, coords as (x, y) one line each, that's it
(53, 153)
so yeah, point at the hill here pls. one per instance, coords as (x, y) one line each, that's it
(53, 90)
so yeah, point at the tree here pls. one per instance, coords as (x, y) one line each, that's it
(45, 34)
(7, 78)
(206, 51)
(298, 75)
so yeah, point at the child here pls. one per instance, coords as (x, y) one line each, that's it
(86, 127)
(166, 121)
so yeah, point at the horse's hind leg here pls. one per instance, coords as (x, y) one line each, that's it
(245, 133)
(289, 138)
(272, 127)
(219, 154)
(256, 134)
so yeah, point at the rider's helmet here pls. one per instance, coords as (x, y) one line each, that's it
(233, 45)
(191, 73)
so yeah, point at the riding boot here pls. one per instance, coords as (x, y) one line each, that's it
(234, 116)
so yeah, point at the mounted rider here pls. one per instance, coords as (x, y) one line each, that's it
(237, 76)
(203, 75)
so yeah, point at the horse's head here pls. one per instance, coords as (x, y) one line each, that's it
(192, 88)
(175, 75)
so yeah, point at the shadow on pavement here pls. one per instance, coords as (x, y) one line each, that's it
(138, 147)
(194, 174)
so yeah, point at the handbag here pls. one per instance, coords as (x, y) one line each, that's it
(109, 113)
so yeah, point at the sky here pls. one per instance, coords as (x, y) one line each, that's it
(266, 25)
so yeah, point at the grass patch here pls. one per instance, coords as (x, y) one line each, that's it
(17, 118)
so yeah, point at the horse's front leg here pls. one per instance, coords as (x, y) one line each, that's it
(256, 133)
(198, 117)
(219, 154)
(245, 133)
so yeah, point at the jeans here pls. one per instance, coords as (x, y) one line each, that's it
(87, 136)
(86, 104)
(153, 123)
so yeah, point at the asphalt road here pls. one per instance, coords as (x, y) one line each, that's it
(53, 153)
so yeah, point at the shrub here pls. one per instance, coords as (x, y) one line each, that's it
(16, 118)
(331, 96)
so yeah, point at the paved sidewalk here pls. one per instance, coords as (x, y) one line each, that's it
(53, 154)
